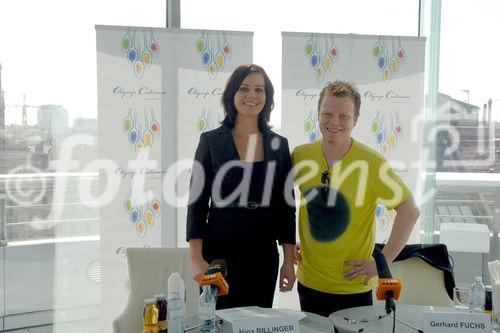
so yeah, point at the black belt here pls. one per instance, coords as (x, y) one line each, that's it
(248, 205)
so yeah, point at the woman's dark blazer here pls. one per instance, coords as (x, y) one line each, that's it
(216, 147)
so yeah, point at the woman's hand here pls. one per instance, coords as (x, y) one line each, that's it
(198, 264)
(361, 267)
(287, 277)
(198, 268)
(297, 256)
(287, 271)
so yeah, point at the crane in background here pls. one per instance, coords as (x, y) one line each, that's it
(24, 106)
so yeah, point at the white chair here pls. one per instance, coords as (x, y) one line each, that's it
(422, 283)
(149, 269)
(466, 237)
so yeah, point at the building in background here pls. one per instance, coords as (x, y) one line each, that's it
(85, 154)
(52, 120)
(85, 126)
(467, 148)
(466, 143)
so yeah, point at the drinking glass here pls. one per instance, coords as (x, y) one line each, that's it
(461, 299)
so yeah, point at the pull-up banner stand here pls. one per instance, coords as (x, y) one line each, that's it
(389, 72)
(158, 89)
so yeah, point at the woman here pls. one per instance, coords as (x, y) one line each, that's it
(237, 208)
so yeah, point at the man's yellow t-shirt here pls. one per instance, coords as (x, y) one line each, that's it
(338, 224)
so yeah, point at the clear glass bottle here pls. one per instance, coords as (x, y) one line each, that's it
(206, 311)
(176, 310)
(477, 297)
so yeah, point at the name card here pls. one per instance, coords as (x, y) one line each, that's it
(267, 325)
(456, 322)
(259, 320)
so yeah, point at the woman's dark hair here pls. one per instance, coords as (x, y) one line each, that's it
(232, 86)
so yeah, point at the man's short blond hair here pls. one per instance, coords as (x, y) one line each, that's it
(340, 88)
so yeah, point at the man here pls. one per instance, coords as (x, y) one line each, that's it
(341, 182)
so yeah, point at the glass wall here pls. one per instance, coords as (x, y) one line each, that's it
(467, 146)
(50, 249)
(267, 19)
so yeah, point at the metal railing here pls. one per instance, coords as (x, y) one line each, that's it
(41, 206)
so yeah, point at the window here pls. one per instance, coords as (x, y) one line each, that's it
(267, 19)
(48, 95)
(468, 175)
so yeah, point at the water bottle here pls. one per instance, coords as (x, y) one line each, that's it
(477, 297)
(206, 311)
(176, 311)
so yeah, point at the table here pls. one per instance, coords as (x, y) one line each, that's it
(367, 318)
(313, 323)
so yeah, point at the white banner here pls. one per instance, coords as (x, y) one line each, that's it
(199, 95)
(389, 72)
(145, 126)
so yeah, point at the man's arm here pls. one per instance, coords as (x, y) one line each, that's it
(406, 217)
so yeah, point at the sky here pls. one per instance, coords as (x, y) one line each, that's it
(48, 48)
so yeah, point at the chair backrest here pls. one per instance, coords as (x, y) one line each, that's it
(422, 283)
(465, 237)
(149, 270)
